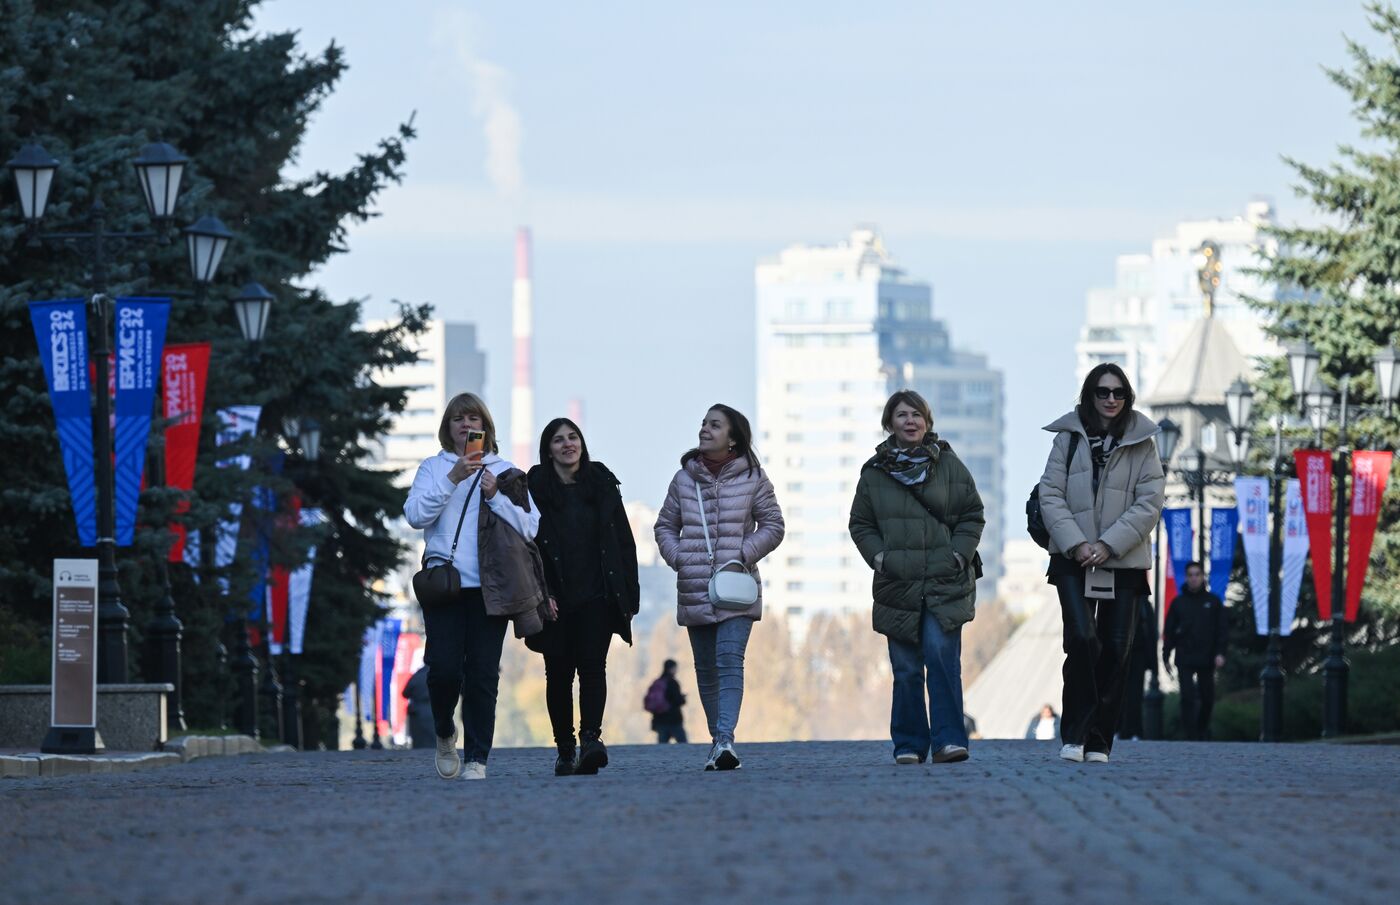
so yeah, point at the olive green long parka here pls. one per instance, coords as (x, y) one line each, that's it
(918, 568)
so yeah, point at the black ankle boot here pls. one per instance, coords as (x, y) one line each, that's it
(593, 756)
(564, 763)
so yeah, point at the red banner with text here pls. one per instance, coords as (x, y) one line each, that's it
(1315, 482)
(1370, 471)
(185, 370)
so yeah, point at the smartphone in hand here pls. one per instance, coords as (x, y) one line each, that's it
(476, 442)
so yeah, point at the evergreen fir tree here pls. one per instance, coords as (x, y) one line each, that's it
(1338, 290)
(93, 81)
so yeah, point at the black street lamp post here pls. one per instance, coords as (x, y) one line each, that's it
(1169, 434)
(160, 168)
(1316, 402)
(245, 663)
(307, 434)
(359, 743)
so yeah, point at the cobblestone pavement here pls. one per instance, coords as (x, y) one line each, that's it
(823, 821)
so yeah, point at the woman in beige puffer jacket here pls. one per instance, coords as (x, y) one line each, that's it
(745, 524)
(1100, 508)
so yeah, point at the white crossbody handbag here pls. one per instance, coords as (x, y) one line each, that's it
(728, 590)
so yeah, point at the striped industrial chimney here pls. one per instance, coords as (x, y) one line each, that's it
(522, 391)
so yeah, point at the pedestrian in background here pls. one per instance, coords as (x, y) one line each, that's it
(917, 518)
(1142, 661)
(590, 566)
(1197, 632)
(664, 702)
(1100, 497)
(1045, 726)
(464, 639)
(720, 513)
(420, 710)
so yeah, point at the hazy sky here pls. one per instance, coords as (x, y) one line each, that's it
(1007, 151)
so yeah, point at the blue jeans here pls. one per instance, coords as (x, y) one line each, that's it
(719, 672)
(937, 662)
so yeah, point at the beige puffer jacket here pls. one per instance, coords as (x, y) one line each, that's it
(1129, 502)
(745, 523)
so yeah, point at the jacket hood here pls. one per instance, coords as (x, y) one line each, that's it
(1142, 427)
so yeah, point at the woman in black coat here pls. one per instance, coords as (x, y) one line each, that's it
(590, 565)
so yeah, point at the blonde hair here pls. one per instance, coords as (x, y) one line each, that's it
(467, 404)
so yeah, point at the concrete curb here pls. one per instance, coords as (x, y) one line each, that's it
(176, 751)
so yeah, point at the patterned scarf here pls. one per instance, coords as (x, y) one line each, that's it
(910, 467)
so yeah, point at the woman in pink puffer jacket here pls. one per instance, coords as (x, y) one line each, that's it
(745, 524)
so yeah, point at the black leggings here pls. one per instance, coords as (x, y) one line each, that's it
(580, 645)
(1098, 640)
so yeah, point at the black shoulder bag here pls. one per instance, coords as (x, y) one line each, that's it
(439, 584)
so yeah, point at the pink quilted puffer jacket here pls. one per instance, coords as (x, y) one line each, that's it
(745, 522)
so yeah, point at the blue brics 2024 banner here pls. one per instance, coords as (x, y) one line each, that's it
(140, 341)
(1179, 542)
(1224, 524)
(389, 647)
(61, 329)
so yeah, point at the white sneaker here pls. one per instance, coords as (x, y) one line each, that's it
(1072, 752)
(1095, 757)
(710, 761)
(906, 758)
(474, 770)
(448, 766)
(725, 758)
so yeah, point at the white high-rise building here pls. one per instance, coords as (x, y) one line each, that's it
(839, 328)
(1156, 298)
(449, 363)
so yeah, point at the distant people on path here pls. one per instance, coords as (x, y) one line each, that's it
(590, 567)
(917, 519)
(420, 710)
(1045, 725)
(720, 514)
(464, 635)
(1141, 661)
(1197, 631)
(1099, 507)
(664, 702)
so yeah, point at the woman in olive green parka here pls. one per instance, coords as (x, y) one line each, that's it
(916, 519)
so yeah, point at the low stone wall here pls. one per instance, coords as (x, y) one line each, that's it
(129, 717)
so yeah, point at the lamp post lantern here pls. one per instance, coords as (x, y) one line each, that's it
(33, 171)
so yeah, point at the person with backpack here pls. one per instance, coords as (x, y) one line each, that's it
(917, 519)
(719, 519)
(1100, 497)
(664, 701)
(590, 567)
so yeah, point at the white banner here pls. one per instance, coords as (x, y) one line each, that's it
(236, 422)
(299, 588)
(1295, 553)
(1252, 500)
(369, 662)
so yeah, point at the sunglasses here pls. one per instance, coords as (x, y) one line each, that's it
(1118, 393)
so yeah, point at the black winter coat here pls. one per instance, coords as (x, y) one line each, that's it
(617, 548)
(1197, 628)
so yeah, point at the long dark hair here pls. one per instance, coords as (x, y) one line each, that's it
(739, 431)
(547, 439)
(1089, 416)
(545, 482)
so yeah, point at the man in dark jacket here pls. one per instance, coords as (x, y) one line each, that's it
(1197, 631)
(669, 724)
